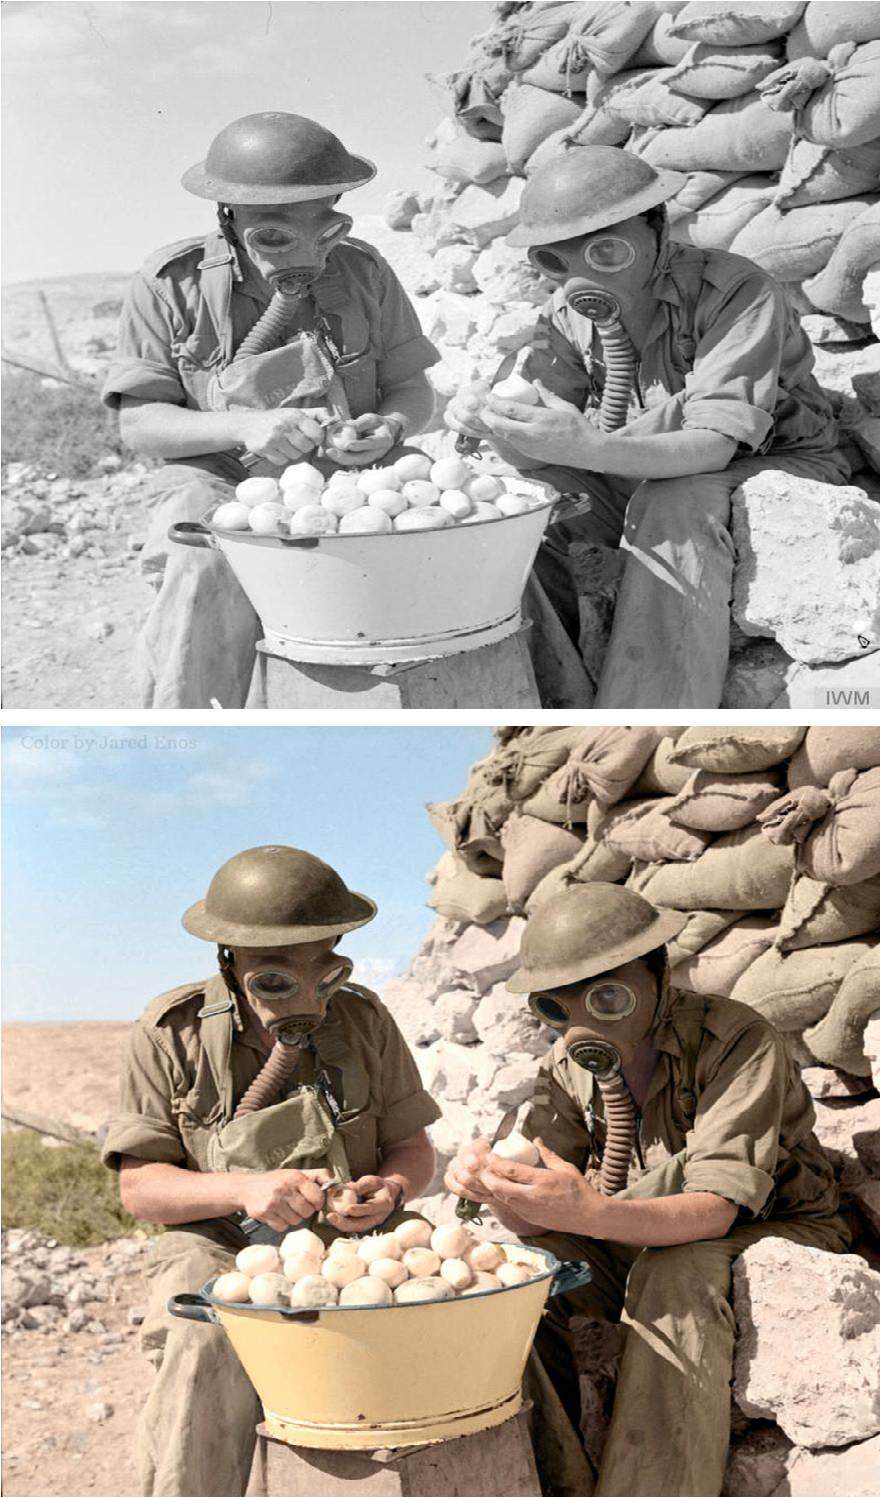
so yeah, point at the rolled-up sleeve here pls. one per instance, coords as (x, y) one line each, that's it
(734, 384)
(406, 1107)
(145, 1125)
(405, 351)
(733, 1147)
(143, 365)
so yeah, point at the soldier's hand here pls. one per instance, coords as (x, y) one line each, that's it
(554, 1196)
(377, 1202)
(462, 1177)
(283, 1198)
(463, 413)
(281, 437)
(359, 443)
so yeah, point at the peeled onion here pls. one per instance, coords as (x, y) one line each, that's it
(457, 1273)
(301, 1240)
(517, 1149)
(373, 479)
(269, 1289)
(300, 496)
(232, 516)
(343, 1247)
(513, 504)
(341, 1198)
(298, 1265)
(313, 519)
(456, 502)
(269, 519)
(341, 1271)
(412, 465)
(260, 1258)
(484, 486)
(422, 1263)
(518, 389)
(450, 473)
(513, 1273)
(257, 491)
(421, 494)
(450, 1240)
(300, 473)
(390, 1270)
(366, 1291)
(232, 1286)
(313, 1291)
(433, 518)
(389, 500)
(379, 1245)
(365, 521)
(482, 511)
(416, 1290)
(482, 1282)
(485, 1256)
(413, 1234)
(342, 498)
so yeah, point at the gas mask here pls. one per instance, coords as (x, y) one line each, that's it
(268, 982)
(603, 1022)
(290, 255)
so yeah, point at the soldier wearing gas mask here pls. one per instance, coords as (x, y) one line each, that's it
(245, 343)
(243, 1097)
(674, 1131)
(669, 375)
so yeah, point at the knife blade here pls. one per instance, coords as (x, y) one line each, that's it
(470, 1211)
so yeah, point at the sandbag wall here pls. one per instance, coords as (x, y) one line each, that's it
(768, 838)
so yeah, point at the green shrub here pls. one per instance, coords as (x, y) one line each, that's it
(61, 429)
(65, 1192)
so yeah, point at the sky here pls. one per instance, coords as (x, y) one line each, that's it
(110, 833)
(105, 105)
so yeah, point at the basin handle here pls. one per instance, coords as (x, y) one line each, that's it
(191, 533)
(571, 1275)
(191, 1307)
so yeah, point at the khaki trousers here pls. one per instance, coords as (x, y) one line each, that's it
(670, 639)
(196, 1433)
(670, 1428)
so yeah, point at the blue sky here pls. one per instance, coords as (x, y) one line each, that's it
(105, 105)
(110, 833)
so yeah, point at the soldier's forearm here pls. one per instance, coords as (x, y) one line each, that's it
(665, 1221)
(411, 1162)
(665, 454)
(168, 1195)
(155, 429)
(411, 402)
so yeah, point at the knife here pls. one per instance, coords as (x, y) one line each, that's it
(470, 1211)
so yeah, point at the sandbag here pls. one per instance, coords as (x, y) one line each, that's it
(700, 927)
(643, 97)
(825, 751)
(660, 48)
(529, 759)
(660, 776)
(605, 762)
(593, 127)
(594, 863)
(819, 174)
(735, 749)
(798, 243)
(459, 157)
(553, 71)
(713, 802)
(740, 871)
(532, 849)
(738, 135)
(836, 831)
(464, 896)
(475, 92)
(530, 115)
(441, 815)
(645, 832)
(797, 990)
(549, 802)
(527, 34)
(717, 968)
(846, 110)
(712, 72)
(823, 26)
(838, 288)
(605, 36)
(738, 23)
(717, 224)
(816, 913)
(838, 1038)
(699, 189)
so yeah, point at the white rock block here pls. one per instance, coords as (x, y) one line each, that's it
(853, 683)
(808, 1349)
(505, 1023)
(449, 1071)
(505, 275)
(850, 1136)
(452, 319)
(482, 214)
(871, 298)
(489, 953)
(454, 268)
(808, 566)
(854, 1472)
(454, 1012)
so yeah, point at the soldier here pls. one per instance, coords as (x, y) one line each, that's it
(698, 1104)
(353, 1108)
(353, 345)
(701, 356)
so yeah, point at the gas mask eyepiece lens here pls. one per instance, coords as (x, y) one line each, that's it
(609, 254)
(335, 978)
(549, 263)
(549, 1010)
(610, 1000)
(272, 986)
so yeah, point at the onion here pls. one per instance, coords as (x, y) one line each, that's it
(232, 1286)
(514, 1273)
(422, 1263)
(413, 1234)
(451, 1240)
(258, 1259)
(416, 1290)
(457, 1273)
(390, 1270)
(482, 1282)
(366, 1291)
(380, 1245)
(341, 1271)
(298, 1265)
(269, 1289)
(301, 1241)
(517, 1149)
(313, 1291)
(485, 1256)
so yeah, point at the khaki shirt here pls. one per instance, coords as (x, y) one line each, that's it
(725, 352)
(751, 1138)
(170, 1106)
(168, 346)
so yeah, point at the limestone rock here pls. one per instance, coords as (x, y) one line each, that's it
(489, 953)
(505, 1023)
(510, 1082)
(454, 1013)
(855, 683)
(871, 298)
(482, 214)
(824, 1081)
(401, 208)
(826, 538)
(871, 1042)
(850, 1135)
(448, 1071)
(454, 268)
(828, 1304)
(512, 330)
(866, 434)
(452, 319)
(853, 1472)
(504, 275)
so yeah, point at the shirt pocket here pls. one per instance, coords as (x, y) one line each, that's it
(198, 1116)
(358, 357)
(360, 1136)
